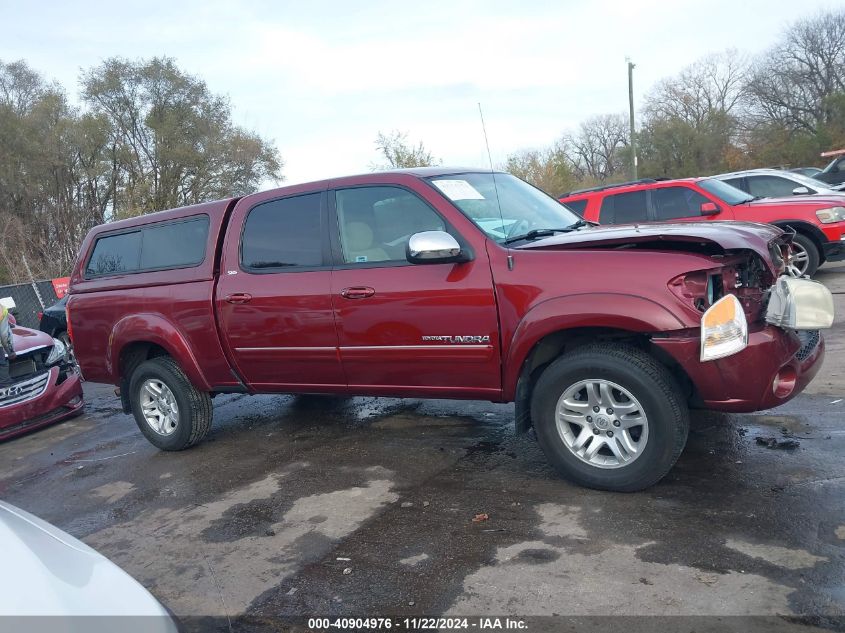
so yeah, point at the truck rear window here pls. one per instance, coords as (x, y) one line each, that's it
(178, 244)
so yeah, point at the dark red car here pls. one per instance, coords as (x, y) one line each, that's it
(818, 221)
(448, 283)
(45, 387)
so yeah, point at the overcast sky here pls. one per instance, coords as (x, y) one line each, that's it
(321, 79)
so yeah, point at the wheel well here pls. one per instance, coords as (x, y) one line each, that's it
(556, 344)
(131, 356)
(807, 230)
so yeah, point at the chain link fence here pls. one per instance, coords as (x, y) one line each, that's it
(27, 301)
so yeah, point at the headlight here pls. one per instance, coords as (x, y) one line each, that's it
(800, 304)
(833, 214)
(724, 330)
(58, 353)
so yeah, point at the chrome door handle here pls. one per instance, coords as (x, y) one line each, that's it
(358, 292)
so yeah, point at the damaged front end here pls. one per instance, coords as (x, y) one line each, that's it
(45, 387)
(746, 290)
(759, 343)
(740, 347)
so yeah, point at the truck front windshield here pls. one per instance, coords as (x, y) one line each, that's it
(506, 209)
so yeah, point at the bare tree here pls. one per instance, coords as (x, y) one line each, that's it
(597, 149)
(714, 85)
(792, 81)
(399, 153)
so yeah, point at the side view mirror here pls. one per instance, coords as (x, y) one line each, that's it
(800, 191)
(433, 247)
(709, 208)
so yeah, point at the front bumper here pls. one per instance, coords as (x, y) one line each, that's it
(774, 368)
(56, 403)
(834, 251)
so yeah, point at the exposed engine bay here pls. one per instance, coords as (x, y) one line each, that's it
(743, 273)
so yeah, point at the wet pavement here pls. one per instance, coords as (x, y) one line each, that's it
(316, 506)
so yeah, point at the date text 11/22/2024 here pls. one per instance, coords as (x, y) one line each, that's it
(417, 624)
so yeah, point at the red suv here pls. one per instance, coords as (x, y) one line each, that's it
(818, 221)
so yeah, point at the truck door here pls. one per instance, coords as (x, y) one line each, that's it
(273, 296)
(408, 329)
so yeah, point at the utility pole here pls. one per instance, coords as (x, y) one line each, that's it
(631, 66)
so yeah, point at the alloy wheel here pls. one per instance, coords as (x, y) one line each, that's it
(601, 423)
(799, 261)
(158, 406)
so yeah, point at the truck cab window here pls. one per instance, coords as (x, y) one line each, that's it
(376, 222)
(283, 234)
(115, 254)
(174, 244)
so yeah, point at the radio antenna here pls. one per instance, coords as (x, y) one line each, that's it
(492, 172)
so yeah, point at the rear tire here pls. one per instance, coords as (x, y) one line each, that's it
(171, 413)
(625, 449)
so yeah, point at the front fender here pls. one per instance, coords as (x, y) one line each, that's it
(608, 310)
(154, 328)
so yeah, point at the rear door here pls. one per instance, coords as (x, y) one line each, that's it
(273, 296)
(406, 329)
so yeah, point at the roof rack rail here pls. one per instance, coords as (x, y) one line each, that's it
(614, 185)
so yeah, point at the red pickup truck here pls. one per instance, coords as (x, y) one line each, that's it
(448, 283)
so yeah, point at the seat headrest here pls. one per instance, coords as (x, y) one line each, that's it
(359, 236)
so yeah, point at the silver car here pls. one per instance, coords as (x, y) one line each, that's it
(774, 183)
(52, 581)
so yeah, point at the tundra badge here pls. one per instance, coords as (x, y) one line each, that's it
(458, 339)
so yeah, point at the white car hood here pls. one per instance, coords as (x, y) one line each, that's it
(48, 572)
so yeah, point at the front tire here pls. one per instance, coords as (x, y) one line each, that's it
(610, 417)
(806, 257)
(171, 413)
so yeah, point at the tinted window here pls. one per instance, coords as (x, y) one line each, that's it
(579, 206)
(174, 245)
(677, 202)
(735, 182)
(624, 208)
(152, 247)
(283, 234)
(376, 222)
(770, 186)
(115, 254)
